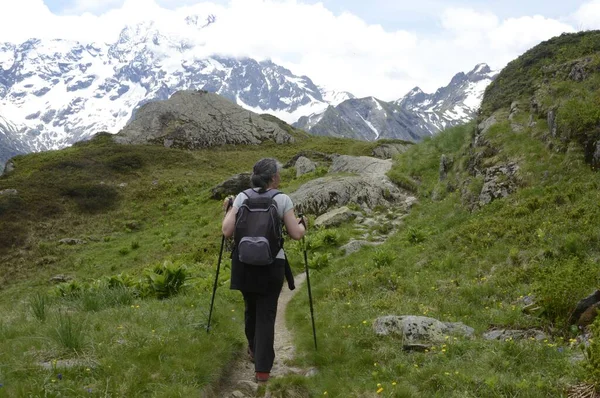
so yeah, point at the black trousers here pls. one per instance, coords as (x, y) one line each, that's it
(259, 317)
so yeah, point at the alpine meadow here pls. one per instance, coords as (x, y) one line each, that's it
(458, 271)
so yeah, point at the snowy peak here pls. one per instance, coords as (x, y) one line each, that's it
(453, 104)
(59, 92)
(412, 117)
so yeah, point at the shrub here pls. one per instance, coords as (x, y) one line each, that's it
(561, 284)
(319, 260)
(92, 198)
(579, 117)
(414, 235)
(125, 162)
(592, 355)
(323, 238)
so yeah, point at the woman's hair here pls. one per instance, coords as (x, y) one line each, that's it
(263, 172)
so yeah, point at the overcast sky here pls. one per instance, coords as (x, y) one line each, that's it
(375, 47)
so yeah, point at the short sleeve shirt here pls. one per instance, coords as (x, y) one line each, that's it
(284, 204)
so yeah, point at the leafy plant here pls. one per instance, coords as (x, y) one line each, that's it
(414, 235)
(320, 260)
(383, 258)
(323, 238)
(165, 280)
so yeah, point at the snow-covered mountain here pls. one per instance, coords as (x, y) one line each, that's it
(412, 117)
(454, 104)
(58, 92)
(365, 119)
(9, 145)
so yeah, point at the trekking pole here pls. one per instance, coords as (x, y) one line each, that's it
(312, 314)
(212, 301)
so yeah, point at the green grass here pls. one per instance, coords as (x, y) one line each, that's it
(471, 267)
(136, 208)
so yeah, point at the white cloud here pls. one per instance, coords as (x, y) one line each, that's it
(341, 51)
(588, 16)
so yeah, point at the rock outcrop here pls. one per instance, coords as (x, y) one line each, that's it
(368, 188)
(304, 165)
(419, 330)
(232, 186)
(198, 119)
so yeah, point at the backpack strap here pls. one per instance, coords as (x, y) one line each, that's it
(271, 193)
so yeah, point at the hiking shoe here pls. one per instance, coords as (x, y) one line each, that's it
(250, 355)
(262, 376)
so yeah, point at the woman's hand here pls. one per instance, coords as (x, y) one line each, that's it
(227, 203)
(304, 221)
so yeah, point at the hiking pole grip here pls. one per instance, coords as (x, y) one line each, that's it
(212, 301)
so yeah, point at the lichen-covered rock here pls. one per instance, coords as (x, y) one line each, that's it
(321, 194)
(507, 334)
(499, 182)
(388, 151)
(198, 119)
(335, 217)
(9, 192)
(355, 245)
(361, 165)
(413, 329)
(232, 186)
(484, 126)
(304, 165)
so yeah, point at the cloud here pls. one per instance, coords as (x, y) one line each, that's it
(91, 6)
(340, 51)
(588, 16)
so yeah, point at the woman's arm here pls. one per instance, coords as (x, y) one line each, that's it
(295, 229)
(229, 221)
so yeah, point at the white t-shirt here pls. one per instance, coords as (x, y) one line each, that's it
(284, 204)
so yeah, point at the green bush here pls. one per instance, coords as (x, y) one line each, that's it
(319, 260)
(125, 162)
(560, 284)
(92, 198)
(592, 355)
(166, 280)
(383, 258)
(414, 235)
(579, 118)
(323, 238)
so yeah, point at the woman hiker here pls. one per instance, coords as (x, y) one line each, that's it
(261, 284)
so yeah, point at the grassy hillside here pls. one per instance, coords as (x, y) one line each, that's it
(140, 213)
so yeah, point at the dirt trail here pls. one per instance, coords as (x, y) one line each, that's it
(240, 383)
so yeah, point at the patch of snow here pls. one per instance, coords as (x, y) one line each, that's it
(370, 125)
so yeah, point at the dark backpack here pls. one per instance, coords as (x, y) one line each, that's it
(258, 232)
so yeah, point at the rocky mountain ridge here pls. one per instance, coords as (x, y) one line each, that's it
(412, 117)
(199, 119)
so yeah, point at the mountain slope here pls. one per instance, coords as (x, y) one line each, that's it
(454, 104)
(365, 119)
(412, 117)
